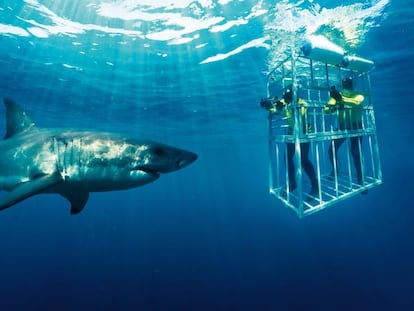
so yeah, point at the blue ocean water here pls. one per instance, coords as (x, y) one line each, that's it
(208, 237)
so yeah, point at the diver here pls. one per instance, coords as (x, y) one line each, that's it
(348, 106)
(304, 147)
(274, 105)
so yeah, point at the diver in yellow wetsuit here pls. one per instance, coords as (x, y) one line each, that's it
(304, 147)
(347, 104)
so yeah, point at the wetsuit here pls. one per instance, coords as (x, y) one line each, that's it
(348, 106)
(304, 151)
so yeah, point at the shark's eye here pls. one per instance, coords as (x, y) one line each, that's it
(159, 151)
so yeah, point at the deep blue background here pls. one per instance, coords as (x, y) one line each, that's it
(209, 237)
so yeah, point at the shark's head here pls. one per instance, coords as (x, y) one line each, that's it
(153, 159)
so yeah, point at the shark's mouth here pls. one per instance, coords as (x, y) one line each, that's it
(148, 171)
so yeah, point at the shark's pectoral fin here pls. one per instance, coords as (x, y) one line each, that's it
(77, 199)
(29, 188)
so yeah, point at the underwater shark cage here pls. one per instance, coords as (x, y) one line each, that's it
(311, 132)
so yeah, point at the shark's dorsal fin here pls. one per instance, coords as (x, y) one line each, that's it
(17, 120)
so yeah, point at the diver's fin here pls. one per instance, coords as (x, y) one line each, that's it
(17, 120)
(77, 199)
(29, 188)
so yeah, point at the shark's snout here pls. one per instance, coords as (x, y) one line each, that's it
(187, 159)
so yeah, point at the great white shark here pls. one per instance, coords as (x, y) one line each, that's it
(74, 163)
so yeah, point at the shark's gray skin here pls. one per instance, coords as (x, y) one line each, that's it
(74, 163)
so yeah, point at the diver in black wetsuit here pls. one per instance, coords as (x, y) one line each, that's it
(348, 105)
(304, 147)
